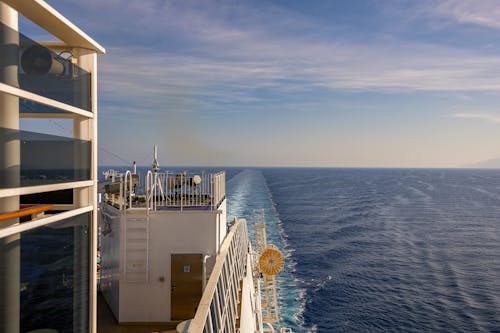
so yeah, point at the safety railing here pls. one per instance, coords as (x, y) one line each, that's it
(184, 190)
(218, 308)
(166, 190)
(26, 210)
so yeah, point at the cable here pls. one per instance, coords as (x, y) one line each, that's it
(115, 155)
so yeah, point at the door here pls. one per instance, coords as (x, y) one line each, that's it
(186, 273)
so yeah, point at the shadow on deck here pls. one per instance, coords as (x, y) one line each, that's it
(106, 322)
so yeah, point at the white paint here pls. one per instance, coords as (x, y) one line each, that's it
(248, 323)
(170, 231)
(52, 21)
(7, 192)
(19, 228)
(204, 271)
(10, 163)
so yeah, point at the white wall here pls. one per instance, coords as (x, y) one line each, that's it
(170, 232)
(248, 323)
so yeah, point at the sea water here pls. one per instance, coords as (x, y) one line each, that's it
(380, 250)
(246, 192)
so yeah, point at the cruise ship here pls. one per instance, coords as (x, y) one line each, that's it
(168, 257)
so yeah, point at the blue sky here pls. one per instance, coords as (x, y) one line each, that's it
(296, 83)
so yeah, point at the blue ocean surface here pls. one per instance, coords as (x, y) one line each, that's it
(381, 250)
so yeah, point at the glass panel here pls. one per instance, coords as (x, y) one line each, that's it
(51, 265)
(44, 159)
(29, 107)
(54, 197)
(43, 72)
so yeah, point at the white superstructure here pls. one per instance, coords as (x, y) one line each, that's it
(160, 246)
(168, 256)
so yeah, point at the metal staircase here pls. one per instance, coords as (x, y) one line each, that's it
(137, 249)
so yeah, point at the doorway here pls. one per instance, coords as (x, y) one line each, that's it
(186, 285)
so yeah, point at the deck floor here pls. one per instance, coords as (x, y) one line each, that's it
(106, 322)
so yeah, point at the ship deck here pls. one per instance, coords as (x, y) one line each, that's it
(106, 322)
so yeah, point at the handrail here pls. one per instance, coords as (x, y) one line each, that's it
(149, 194)
(170, 190)
(217, 310)
(128, 174)
(35, 209)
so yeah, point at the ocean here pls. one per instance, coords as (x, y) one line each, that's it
(380, 250)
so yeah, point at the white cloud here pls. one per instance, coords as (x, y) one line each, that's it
(272, 66)
(484, 12)
(481, 116)
(218, 53)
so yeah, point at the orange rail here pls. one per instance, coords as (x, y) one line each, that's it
(29, 210)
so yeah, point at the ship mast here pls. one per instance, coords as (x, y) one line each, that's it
(156, 188)
(156, 165)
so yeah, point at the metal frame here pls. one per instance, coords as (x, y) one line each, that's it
(18, 228)
(85, 127)
(5, 88)
(171, 190)
(9, 192)
(51, 20)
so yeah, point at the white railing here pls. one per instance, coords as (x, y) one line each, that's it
(218, 308)
(128, 187)
(183, 190)
(169, 190)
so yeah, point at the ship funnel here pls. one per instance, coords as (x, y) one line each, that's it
(37, 60)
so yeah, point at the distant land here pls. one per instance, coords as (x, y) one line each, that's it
(488, 164)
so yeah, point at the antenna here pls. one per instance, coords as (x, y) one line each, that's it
(156, 187)
(156, 165)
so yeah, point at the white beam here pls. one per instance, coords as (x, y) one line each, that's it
(8, 192)
(5, 88)
(18, 228)
(52, 21)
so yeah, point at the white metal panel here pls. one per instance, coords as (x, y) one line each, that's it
(51, 20)
(8, 192)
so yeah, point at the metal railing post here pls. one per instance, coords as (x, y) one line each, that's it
(129, 175)
(149, 185)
